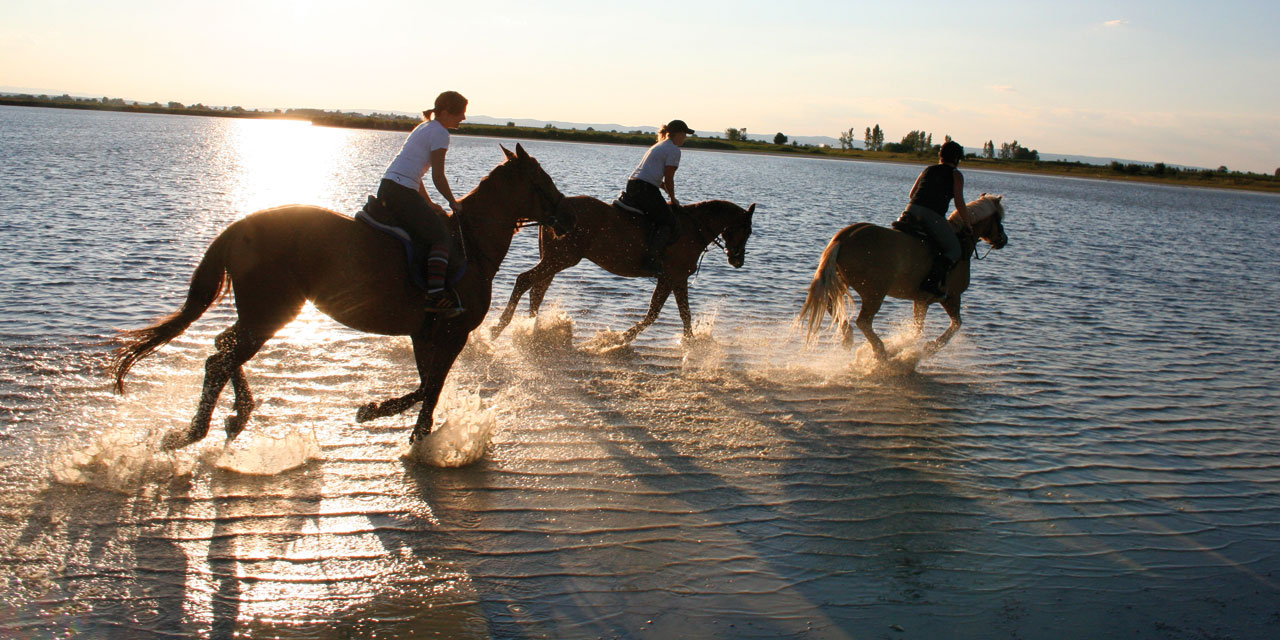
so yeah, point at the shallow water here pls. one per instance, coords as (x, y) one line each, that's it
(1096, 453)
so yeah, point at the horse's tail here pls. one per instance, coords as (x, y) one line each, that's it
(827, 292)
(207, 285)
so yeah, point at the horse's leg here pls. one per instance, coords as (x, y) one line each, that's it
(660, 293)
(919, 310)
(537, 293)
(846, 328)
(952, 307)
(435, 357)
(681, 289)
(235, 346)
(539, 278)
(244, 404)
(870, 305)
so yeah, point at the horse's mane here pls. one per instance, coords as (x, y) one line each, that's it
(689, 208)
(984, 207)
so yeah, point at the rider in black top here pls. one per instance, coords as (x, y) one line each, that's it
(931, 196)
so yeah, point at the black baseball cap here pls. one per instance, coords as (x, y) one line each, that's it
(678, 126)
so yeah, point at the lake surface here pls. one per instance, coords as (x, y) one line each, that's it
(1096, 454)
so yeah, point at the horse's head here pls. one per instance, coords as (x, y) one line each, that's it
(987, 216)
(736, 234)
(539, 190)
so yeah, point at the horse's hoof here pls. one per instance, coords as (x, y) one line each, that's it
(366, 412)
(174, 441)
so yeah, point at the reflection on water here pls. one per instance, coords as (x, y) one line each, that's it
(1095, 447)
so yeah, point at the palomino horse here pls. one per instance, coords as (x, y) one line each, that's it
(878, 262)
(275, 260)
(615, 241)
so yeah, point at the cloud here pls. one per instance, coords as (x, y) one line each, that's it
(1115, 23)
(1004, 88)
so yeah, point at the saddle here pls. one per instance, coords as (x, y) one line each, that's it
(381, 219)
(622, 204)
(908, 225)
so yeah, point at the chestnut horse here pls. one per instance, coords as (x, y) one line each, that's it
(614, 240)
(276, 260)
(878, 262)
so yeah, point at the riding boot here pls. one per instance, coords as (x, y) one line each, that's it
(935, 283)
(659, 238)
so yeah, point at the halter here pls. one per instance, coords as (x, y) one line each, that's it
(706, 246)
(553, 204)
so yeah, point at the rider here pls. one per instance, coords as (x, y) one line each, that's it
(403, 192)
(657, 170)
(931, 196)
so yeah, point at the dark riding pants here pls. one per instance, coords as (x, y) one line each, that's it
(939, 230)
(649, 199)
(413, 214)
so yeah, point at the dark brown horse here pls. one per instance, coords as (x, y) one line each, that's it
(616, 241)
(277, 259)
(878, 262)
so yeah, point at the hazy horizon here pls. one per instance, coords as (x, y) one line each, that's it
(1177, 82)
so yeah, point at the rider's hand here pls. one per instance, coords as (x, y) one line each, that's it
(674, 202)
(457, 208)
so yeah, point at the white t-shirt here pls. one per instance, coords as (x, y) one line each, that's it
(415, 156)
(655, 162)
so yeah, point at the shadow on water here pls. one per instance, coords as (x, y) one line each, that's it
(706, 489)
(257, 520)
(101, 567)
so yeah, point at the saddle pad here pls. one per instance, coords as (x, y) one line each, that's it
(457, 268)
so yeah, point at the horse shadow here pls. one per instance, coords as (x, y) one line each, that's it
(85, 527)
(783, 532)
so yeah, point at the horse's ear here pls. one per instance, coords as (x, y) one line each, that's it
(520, 152)
(1000, 198)
(751, 209)
(508, 154)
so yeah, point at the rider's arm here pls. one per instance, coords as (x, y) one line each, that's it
(442, 183)
(669, 182)
(960, 204)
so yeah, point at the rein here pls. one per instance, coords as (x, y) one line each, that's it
(706, 246)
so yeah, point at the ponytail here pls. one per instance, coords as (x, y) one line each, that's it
(663, 133)
(450, 101)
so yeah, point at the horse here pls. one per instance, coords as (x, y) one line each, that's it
(275, 260)
(614, 240)
(878, 262)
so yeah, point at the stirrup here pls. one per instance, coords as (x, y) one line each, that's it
(443, 302)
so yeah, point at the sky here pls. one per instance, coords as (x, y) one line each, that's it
(1181, 82)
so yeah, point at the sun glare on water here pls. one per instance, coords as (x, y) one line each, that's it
(282, 162)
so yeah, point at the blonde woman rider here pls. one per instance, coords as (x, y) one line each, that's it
(404, 194)
(657, 170)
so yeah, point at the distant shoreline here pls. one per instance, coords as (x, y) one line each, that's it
(1116, 172)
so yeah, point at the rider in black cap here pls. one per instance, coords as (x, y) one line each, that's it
(657, 171)
(931, 196)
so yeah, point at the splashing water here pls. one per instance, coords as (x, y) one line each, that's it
(609, 343)
(264, 455)
(905, 350)
(463, 437)
(124, 461)
(549, 332)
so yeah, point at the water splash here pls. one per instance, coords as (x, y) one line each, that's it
(701, 350)
(265, 455)
(551, 331)
(609, 343)
(905, 350)
(463, 437)
(124, 461)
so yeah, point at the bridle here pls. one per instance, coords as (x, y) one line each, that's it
(716, 240)
(551, 202)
